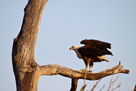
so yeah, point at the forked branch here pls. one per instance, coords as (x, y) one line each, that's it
(54, 69)
(112, 82)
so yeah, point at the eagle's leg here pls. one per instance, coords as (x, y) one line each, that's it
(90, 68)
(87, 62)
(85, 67)
(91, 64)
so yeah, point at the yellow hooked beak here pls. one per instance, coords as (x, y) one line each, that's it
(70, 48)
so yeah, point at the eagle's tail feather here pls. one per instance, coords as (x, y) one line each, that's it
(102, 58)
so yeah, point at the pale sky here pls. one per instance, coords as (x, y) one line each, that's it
(64, 24)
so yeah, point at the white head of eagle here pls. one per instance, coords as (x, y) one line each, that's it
(93, 51)
(75, 48)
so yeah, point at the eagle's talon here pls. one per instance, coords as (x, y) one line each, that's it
(90, 71)
(83, 69)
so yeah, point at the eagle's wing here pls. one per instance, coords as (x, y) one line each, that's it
(97, 43)
(91, 51)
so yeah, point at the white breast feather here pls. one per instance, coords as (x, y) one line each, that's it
(77, 53)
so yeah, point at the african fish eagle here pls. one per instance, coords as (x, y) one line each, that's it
(93, 51)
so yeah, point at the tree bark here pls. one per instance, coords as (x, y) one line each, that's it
(27, 72)
(74, 84)
(55, 69)
(25, 68)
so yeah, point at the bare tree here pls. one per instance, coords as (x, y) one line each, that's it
(27, 72)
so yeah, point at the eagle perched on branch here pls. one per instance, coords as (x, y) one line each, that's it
(93, 51)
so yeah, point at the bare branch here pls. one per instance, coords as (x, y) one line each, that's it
(85, 78)
(112, 82)
(83, 88)
(74, 85)
(95, 85)
(116, 87)
(102, 87)
(54, 69)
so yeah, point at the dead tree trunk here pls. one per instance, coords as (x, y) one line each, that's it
(27, 72)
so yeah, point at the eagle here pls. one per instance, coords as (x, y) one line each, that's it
(92, 51)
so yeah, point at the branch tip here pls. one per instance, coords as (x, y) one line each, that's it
(119, 62)
(127, 71)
